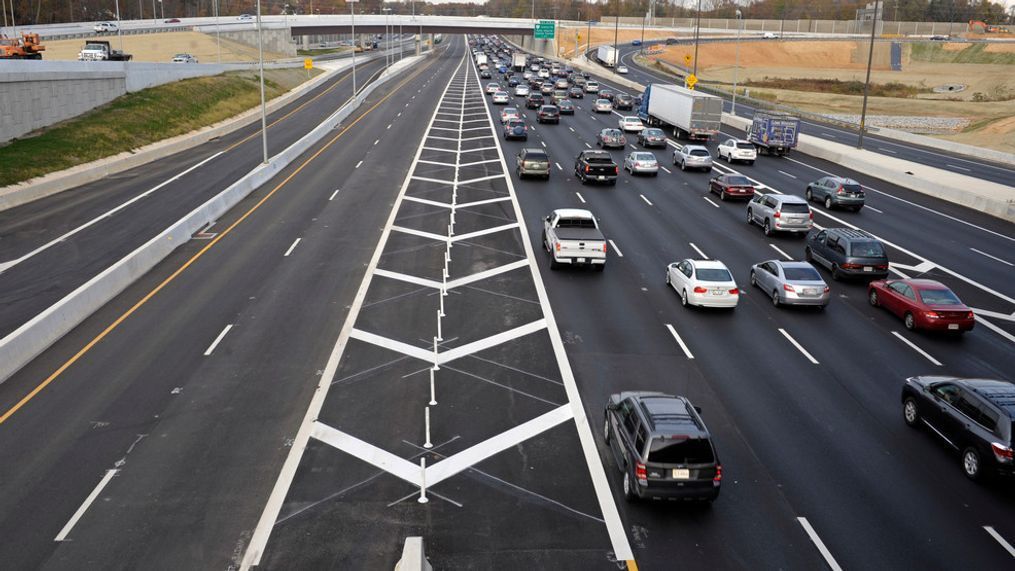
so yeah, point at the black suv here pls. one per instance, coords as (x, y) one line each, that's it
(973, 416)
(848, 253)
(662, 447)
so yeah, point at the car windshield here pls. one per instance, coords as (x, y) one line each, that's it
(576, 223)
(714, 275)
(802, 274)
(680, 451)
(939, 297)
(699, 153)
(745, 146)
(868, 249)
(738, 180)
(795, 208)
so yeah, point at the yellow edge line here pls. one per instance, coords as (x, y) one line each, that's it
(193, 259)
(631, 565)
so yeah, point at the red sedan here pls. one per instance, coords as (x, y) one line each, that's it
(922, 304)
(731, 186)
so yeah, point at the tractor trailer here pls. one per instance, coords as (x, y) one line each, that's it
(607, 56)
(691, 114)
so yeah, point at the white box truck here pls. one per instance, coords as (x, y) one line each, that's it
(691, 114)
(518, 61)
(607, 56)
(480, 59)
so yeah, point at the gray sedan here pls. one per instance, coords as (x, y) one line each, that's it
(790, 283)
(641, 163)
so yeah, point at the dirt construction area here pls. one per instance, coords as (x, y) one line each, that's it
(604, 35)
(162, 48)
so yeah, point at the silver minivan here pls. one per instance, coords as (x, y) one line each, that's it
(780, 213)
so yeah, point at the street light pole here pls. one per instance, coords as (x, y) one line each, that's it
(387, 52)
(616, 34)
(119, 32)
(697, 34)
(866, 85)
(218, 38)
(736, 67)
(352, 17)
(260, 64)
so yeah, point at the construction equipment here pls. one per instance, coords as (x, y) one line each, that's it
(25, 47)
(985, 28)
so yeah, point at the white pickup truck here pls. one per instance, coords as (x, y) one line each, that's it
(571, 236)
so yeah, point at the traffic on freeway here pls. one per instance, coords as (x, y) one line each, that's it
(530, 316)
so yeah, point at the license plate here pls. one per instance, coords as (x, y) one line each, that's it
(681, 474)
(601, 177)
(717, 292)
(581, 260)
(811, 292)
(953, 326)
(868, 269)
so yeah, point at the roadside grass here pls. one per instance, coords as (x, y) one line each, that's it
(839, 87)
(138, 119)
(975, 53)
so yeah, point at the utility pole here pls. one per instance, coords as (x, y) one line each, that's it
(866, 85)
(260, 64)
(736, 67)
(352, 18)
(616, 34)
(697, 34)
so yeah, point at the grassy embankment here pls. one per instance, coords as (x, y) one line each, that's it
(935, 52)
(138, 119)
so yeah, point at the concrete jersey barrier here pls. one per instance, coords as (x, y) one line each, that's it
(22, 345)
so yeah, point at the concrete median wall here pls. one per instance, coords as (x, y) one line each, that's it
(35, 336)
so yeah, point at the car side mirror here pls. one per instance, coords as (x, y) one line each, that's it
(548, 218)
(612, 406)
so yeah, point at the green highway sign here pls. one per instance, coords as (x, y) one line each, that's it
(544, 30)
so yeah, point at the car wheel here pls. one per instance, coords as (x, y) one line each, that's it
(971, 463)
(828, 203)
(836, 274)
(775, 298)
(768, 227)
(668, 277)
(857, 208)
(807, 255)
(709, 169)
(722, 195)
(750, 216)
(750, 163)
(808, 195)
(629, 493)
(606, 430)
(873, 298)
(909, 321)
(599, 267)
(683, 298)
(910, 412)
(683, 166)
(754, 279)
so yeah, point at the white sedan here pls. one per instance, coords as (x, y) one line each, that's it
(630, 124)
(522, 90)
(501, 98)
(737, 150)
(704, 283)
(509, 113)
(492, 88)
(622, 69)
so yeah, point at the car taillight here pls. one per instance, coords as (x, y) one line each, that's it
(839, 191)
(788, 287)
(851, 266)
(1002, 453)
(616, 169)
(718, 474)
(970, 315)
(810, 215)
(640, 472)
(777, 214)
(931, 314)
(700, 289)
(604, 247)
(827, 289)
(734, 291)
(882, 266)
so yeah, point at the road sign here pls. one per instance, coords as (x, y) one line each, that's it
(544, 30)
(687, 59)
(691, 80)
(308, 63)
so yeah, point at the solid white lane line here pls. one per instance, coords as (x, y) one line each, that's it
(784, 254)
(580, 197)
(291, 248)
(558, 166)
(697, 249)
(217, 340)
(334, 194)
(819, 544)
(798, 346)
(683, 346)
(357, 165)
(710, 201)
(84, 507)
(917, 349)
(616, 249)
(869, 207)
(647, 201)
(665, 169)
(793, 176)
(982, 253)
(958, 167)
(997, 537)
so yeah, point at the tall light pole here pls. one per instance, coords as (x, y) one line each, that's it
(260, 65)
(218, 38)
(352, 18)
(643, 17)
(736, 67)
(697, 34)
(866, 85)
(616, 34)
(387, 36)
(588, 35)
(155, 14)
(119, 33)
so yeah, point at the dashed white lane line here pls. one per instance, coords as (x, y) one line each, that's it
(634, 147)
(997, 537)
(668, 171)
(683, 346)
(334, 194)
(376, 141)
(291, 248)
(819, 544)
(572, 129)
(217, 340)
(357, 165)
(543, 143)
(798, 346)
(559, 167)
(884, 150)
(869, 207)
(580, 197)
(917, 349)
(588, 145)
(783, 254)
(697, 249)
(84, 507)
(982, 253)
(616, 249)
(823, 134)
(647, 201)
(388, 127)
(793, 176)
(958, 167)
(709, 200)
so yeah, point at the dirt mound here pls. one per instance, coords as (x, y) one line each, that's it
(816, 55)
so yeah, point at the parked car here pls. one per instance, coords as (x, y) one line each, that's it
(602, 106)
(662, 447)
(576, 93)
(595, 166)
(731, 186)
(922, 304)
(848, 253)
(548, 114)
(516, 129)
(509, 113)
(184, 58)
(566, 107)
(522, 91)
(608, 138)
(534, 101)
(630, 124)
(572, 237)
(972, 416)
(780, 213)
(532, 162)
(703, 283)
(652, 137)
(623, 101)
(693, 157)
(501, 98)
(836, 191)
(622, 69)
(641, 162)
(790, 283)
(737, 150)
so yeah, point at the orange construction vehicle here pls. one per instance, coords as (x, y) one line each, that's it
(25, 47)
(985, 28)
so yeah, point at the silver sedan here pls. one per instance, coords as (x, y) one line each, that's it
(790, 283)
(641, 163)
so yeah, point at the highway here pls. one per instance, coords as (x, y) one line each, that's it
(978, 168)
(263, 399)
